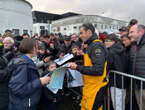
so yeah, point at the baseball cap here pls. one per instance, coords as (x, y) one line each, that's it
(123, 29)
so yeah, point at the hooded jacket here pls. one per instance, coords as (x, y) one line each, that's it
(24, 86)
(117, 60)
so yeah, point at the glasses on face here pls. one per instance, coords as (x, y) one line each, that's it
(7, 43)
(107, 40)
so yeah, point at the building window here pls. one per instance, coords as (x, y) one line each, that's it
(113, 27)
(30, 32)
(95, 25)
(34, 19)
(105, 26)
(75, 27)
(16, 32)
(101, 26)
(44, 32)
(65, 29)
(42, 27)
(58, 29)
(25, 31)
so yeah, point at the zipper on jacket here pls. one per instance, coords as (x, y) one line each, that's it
(29, 102)
(134, 61)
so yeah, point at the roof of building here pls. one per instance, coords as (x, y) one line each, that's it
(27, 3)
(69, 14)
(87, 19)
(44, 17)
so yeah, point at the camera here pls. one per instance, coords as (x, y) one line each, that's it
(5, 58)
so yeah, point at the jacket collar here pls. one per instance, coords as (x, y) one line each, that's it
(142, 41)
(91, 39)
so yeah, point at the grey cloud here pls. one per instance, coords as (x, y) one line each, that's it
(118, 9)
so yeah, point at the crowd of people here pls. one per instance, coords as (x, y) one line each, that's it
(25, 61)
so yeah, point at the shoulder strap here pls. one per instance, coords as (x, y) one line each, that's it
(97, 40)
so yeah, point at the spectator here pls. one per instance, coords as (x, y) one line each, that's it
(8, 33)
(1, 38)
(126, 40)
(26, 35)
(137, 32)
(54, 44)
(66, 46)
(123, 31)
(25, 85)
(41, 59)
(132, 22)
(4, 78)
(103, 35)
(8, 43)
(50, 100)
(36, 36)
(116, 61)
(128, 46)
(75, 39)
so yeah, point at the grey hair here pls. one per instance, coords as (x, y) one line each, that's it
(10, 39)
(140, 26)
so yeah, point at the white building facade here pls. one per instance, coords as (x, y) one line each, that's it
(41, 27)
(16, 15)
(68, 26)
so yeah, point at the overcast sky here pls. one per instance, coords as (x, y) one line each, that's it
(118, 9)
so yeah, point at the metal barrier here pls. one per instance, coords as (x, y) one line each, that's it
(108, 97)
(132, 78)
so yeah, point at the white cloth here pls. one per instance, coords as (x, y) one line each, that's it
(78, 79)
(118, 98)
(64, 59)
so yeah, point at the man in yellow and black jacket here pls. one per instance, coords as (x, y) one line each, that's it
(94, 70)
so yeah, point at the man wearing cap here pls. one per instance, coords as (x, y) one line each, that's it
(66, 46)
(123, 31)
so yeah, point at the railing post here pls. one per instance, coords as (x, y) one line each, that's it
(114, 91)
(141, 95)
(131, 95)
(108, 98)
(142, 80)
(122, 92)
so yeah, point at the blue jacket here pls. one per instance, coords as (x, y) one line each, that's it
(24, 86)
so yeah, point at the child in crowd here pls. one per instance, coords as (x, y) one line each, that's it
(51, 101)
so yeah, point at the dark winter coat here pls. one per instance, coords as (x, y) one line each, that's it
(117, 60)
(138, 60)
(4, 79)
(24, 86)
